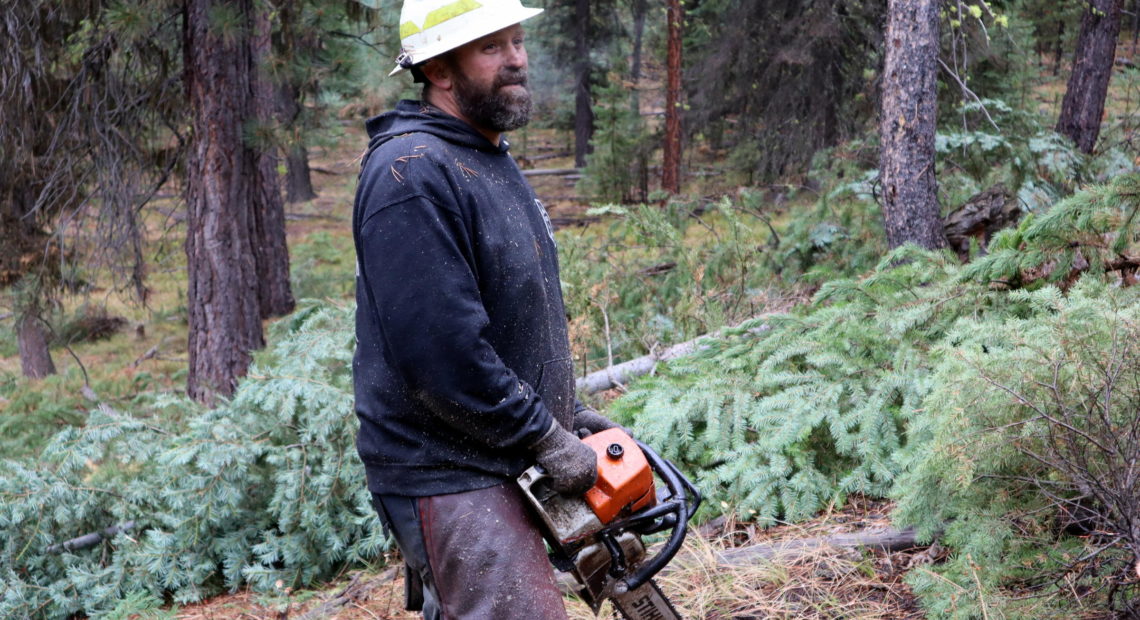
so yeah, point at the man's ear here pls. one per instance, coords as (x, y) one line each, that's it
(438, 73)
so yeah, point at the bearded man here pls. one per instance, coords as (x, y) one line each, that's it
(463, 375)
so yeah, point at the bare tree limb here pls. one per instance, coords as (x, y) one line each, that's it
(620, 374)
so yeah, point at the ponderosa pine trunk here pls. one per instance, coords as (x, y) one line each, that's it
(1083, 106)
(671, 158)
(298, 177)
(583, 109)
(27, 255)
(270, 251)
(222, 291)
(907, 124)
(290, 40)
(32, 341)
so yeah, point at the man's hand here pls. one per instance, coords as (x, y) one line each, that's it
(587, 418)
(571, 463)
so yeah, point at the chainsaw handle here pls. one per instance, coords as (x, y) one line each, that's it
(681, 505)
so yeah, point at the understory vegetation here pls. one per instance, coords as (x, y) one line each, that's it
(998, 411)
(991, 397)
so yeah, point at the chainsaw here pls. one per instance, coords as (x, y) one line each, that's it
(597, 537)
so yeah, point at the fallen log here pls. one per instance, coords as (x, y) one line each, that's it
(538, 172)
(887, 539)
(546, 156)
(620, 374)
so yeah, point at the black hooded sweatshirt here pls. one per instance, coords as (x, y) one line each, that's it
(462, 358)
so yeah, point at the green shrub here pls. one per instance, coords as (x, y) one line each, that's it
(790, 412)
(265, 488)
(1031, 426)
(322, 267)
(620, 146)
(655, 275)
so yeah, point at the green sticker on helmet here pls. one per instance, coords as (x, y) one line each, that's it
(444, 13)
(409, 28)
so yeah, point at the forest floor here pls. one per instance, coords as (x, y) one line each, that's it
(824, 583)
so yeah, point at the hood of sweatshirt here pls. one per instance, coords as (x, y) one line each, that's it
(415, 116)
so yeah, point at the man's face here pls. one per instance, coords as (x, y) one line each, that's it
(490, 80)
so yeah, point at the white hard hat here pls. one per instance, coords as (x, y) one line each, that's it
(429, 28)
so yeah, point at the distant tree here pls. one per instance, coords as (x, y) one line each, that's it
(671, 166)
(86, 141)
(271, 255)
(1083, 106)
(583, 108)
(907, 125)
(292, 43)
(576, 35)
(781, 79)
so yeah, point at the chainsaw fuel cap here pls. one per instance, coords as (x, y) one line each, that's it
(615, 451)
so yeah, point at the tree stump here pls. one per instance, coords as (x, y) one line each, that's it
(980, 218)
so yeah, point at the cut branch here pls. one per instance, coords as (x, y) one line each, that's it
(620, 374)
(90, 540)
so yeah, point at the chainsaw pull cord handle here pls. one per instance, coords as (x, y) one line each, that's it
(681, 503)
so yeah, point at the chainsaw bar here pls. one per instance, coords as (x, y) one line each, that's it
(645, 603)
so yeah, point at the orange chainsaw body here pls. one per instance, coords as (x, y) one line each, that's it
(625, 479)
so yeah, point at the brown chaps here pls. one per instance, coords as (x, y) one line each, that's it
(475, 555)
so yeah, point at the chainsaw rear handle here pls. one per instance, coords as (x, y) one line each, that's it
(673, 511)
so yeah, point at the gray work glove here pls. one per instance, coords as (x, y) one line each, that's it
(586, 418)
(571, 463)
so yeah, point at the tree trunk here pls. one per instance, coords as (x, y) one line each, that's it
(907, 124)
(222, 291)
(32, 339)
(1135, 24)
(583, 110)
(270, 251)
(1083, 107)
(1059, 48)
(640, 9)
(671, 166)
(298, 180)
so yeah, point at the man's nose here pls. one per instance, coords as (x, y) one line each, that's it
(516, 57)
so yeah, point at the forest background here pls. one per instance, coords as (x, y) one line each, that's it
(176, 374)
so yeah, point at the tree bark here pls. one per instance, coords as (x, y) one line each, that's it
(287, 46)
(298, 180)
(32, 340)
(1083, 106)
(583, 110)
(270, 251)
(222, 291)
(671, 166)
(907, 125)
(640, 9)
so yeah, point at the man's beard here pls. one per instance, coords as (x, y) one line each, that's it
(493, 108)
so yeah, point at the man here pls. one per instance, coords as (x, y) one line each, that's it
(463, 375)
